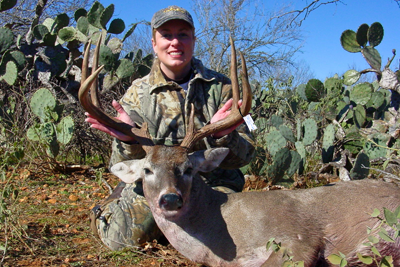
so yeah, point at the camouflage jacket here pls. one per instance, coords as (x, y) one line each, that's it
(165, 106)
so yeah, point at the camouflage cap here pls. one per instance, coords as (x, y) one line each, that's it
(170, 13)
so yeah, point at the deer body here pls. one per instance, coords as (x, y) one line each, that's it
(219, 229)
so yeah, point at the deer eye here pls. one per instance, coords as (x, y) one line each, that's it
(188, 171)
(147, 171)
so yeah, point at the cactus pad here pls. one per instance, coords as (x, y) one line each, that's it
(67, 34)
(372, 56)
(65, 130)
(11, 73)
(287, 133)
(375, 34)
(361, 36)
(315, 90)
(310, 131)
(282, 160)
(275, 141)
(117, 26)
(6, 39)
(359, 171)
(80, 12)
(125, 68)
(41, 103)
(276, 121)
(378, 146)
(348, 41)
(301, 91)
(94, 14)
(328, 141)
(351, 77)
(7, 4)
(106, 15)
(361, 93)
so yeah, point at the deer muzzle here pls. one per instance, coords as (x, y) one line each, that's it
(171, 202)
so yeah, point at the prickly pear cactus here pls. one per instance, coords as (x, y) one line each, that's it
(6, 39)
(315, 90)
(44, 106)
(287, 133)
(301, 91)
(65, 130)
(372, 56)
(310, 131)
(328, 142)
(275, 141)
(9, 72)
(365, 41)
(7, 4)
(349, 42)
(276, 121)
(377, 146)
(42, 102)
(282, 160)
(295, 163)
(360, 169)
(362, 34)
(351, 77)
(375, 34)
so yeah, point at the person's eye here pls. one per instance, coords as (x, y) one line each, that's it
(167, 35)
(183, 35)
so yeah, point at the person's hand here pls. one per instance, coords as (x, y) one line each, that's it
(223, 113)
(122, 116)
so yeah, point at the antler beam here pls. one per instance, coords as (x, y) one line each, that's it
(92, 105)
(236, 115)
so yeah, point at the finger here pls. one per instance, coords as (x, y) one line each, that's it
(228, 131)
(117, 106)
(92, 120)
(112, 132)
(227, 106)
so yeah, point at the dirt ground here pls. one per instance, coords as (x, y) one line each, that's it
(47, 223)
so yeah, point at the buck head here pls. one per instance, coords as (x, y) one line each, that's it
(167, 174)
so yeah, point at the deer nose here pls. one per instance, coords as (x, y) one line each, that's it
(171, 201)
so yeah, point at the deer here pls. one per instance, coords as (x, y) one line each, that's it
(218, 229)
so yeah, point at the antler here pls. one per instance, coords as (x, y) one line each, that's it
(236, 115)
(92, 106)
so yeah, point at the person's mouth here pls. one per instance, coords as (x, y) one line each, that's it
(176, 53)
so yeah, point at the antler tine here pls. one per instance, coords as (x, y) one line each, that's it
(236, 114)
(140, 135)
(247, 96)
(94, 88)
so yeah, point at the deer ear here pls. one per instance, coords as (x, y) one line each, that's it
(128, 171)
(208, 160)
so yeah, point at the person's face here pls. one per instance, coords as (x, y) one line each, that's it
(173, 42)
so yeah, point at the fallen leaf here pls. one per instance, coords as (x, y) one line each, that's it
(43, 197)
(80, 240)
(24, 174)
(73, 197)
(24, 199)
(52, 201)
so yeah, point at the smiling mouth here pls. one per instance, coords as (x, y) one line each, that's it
(176, 53)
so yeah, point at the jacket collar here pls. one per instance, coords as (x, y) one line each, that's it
(156, 78)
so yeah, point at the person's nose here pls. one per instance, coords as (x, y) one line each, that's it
(175, 41)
